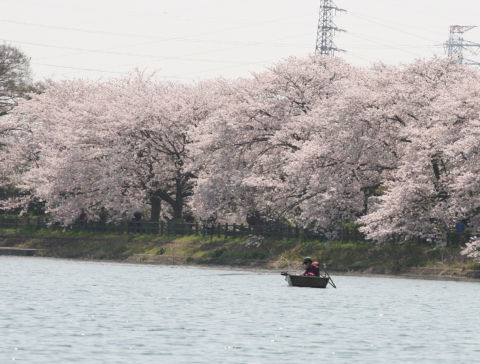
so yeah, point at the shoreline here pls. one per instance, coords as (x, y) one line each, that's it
(342, 258)
(412, 274)
(424, 273)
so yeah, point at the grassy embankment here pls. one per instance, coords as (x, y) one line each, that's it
(233, 251)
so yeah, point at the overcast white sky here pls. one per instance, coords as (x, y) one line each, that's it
(197, 39)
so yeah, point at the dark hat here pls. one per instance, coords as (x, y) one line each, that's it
(307, 260)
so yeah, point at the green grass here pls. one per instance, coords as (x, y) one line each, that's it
(338, 255)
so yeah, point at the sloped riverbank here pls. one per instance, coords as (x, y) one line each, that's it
(356, 258)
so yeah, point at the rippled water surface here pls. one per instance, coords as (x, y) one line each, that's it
(59, 311)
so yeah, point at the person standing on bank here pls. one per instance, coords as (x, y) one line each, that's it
(312, 268)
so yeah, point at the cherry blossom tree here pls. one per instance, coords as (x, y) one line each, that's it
(308, 141)
(311, 141)
(153, 139)
(350, 151)
(315, 142)
(241, 147)
(55, 151)
(436, 112)
(117, 144)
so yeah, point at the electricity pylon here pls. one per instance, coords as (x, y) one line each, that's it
(456, 45)
(327, 29)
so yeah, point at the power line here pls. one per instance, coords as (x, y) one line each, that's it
(90, 31)
(228, 49)
(328, 26)
(144, 36)
(390, 46)
(401, 26)
(127, 54)
(156, 38)
(181, 39)
(389, 26)
(79, 68)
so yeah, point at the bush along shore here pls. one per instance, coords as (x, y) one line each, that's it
(410, 259)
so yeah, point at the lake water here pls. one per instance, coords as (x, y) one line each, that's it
(60, 311)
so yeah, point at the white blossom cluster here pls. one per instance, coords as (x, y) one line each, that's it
(473, 249)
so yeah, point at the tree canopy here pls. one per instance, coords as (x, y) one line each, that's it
(311, 141)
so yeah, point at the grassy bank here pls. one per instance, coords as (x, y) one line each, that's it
(241, 251)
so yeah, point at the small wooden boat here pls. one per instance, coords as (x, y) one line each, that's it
(310, 281)
(306, 281)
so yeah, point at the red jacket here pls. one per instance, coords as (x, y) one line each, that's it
(314, 270)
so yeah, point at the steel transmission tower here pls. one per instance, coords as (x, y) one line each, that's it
(327, 29)
(456, 45)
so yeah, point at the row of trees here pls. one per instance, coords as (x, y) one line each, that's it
(15, 84)
(311, 141)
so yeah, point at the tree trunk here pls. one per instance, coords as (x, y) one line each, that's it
(436, 169)
(178, 209)
(156, 206)
(441, 193)
(367, 193)
(176, 202)
(366, 196)
(178, 205)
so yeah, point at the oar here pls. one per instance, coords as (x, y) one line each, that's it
(330, 280)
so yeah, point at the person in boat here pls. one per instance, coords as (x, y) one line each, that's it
(312, 268)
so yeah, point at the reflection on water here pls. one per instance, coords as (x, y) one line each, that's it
(58, 311)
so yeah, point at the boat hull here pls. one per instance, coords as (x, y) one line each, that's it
(302, 281)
